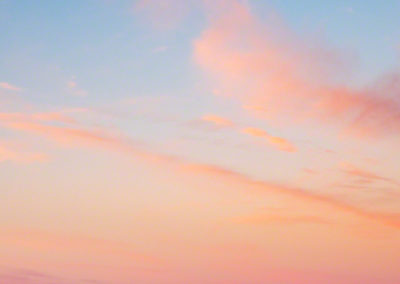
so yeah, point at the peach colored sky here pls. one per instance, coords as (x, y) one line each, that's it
(199, 141)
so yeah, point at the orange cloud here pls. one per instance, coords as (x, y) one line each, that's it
(255, 132)
(282, 144)
(269, 68)
(216, 120)
(278, 142)
(9, 87)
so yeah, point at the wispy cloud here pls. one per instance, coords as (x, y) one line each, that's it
(268, 67)
(8, 86)
(75, 89)
(257, 132)
(278, 142)
(364, 175)
(217, 121)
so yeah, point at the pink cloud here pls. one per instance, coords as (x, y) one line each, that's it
(276, 74)
(282, 144)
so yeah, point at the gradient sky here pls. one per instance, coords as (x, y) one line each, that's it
(199, 141)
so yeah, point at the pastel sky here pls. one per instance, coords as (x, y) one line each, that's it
(200, 141)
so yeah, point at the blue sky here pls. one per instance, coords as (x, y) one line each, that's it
(45, 43)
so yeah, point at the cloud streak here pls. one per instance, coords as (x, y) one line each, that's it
(74, 137)
(366, 176)
(217, 121)
(277, 142)
(8, 86)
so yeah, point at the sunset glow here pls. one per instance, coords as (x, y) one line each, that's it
(199, 141)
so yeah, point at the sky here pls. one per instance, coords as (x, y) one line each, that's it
(199, 141)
